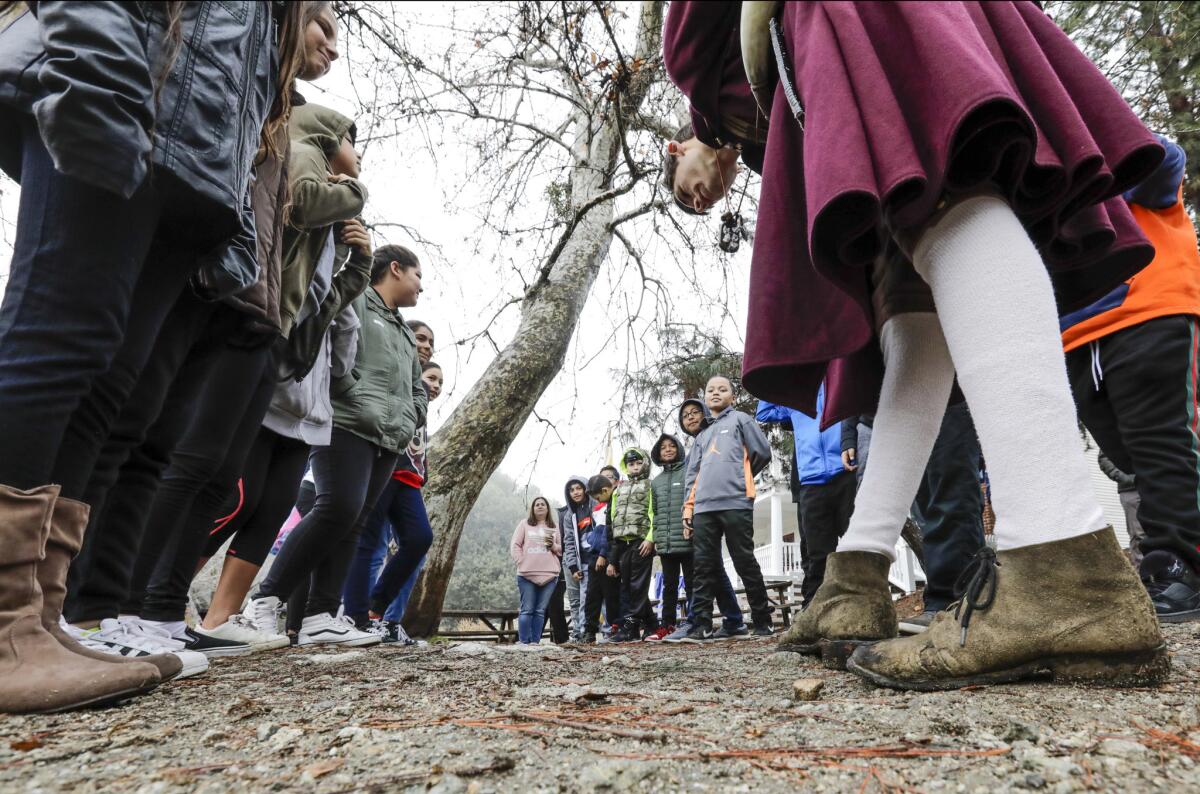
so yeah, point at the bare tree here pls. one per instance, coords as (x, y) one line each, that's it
(573, 106)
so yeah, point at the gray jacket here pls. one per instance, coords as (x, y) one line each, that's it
(722, 464)
(88, 72)
(575, 538)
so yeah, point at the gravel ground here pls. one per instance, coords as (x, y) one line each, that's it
(478, 718)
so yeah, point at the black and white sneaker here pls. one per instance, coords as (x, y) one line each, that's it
(133, 638)
(698, 634)
(1173, 586)
(213, 647)
(325, 629)
(763, 630)
(917, 624)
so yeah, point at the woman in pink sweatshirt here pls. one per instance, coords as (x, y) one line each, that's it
(537, 550)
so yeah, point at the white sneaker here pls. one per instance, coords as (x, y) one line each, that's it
(325, 629)
(133, 638)
(263, 614)
(242, 630)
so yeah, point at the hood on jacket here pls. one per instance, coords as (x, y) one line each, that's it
(575, 478)
(645, 456)
(704, 421)
(320, 127)
(656, 450)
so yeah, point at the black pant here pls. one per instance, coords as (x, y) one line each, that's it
(824, 516)
(130, 464)
(1143, 415)
(204, 468)
(949, 506)
(351, 474)
(69, 305)
(672, 566)
(737, 528)
(556, 616)
(636, 572)
(602, 590)
(270, 486)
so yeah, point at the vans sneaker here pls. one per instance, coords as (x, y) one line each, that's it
(263, 614)
(325, 629)
(132, 639)
(238, 629)
(214, 647)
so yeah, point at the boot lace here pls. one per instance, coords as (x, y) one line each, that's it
(975, 588)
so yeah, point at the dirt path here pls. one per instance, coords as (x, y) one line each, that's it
(627, 718)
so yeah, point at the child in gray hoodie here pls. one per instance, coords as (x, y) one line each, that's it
(729, 453)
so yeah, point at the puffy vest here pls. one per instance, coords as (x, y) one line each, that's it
(670, 493)
(632, 509)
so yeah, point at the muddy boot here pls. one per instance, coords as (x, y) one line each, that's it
(37, 674)
(852, 607)
(67, 524)
(1073, 610)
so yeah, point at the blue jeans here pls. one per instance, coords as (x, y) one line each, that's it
(534, 600)
(77, 257)
(949, 506)
(373, 586)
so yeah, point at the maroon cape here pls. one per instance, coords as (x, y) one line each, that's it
(904, 102)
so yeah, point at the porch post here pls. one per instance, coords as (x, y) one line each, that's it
(776, 533)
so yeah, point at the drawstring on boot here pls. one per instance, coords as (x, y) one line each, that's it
(975, 588)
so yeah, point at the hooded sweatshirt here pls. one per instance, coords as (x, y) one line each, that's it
(669, 492)
(632, 503)
(721, 467)
(576, 523)
(535, 561)
(317, 203)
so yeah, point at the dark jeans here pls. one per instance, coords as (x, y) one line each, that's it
(727, 601)
(636, 572)
(673, 565)
(557, 614)
(602, 590)
(1143, 416)
(270, 485)
(351, 474)
(402, 506)
(203, 471)
(824, 516)
(128, 470)
(69, 305)
(949, 506)
(737, 527)
(534, 600)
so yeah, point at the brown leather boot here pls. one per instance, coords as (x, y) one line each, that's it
(852, 607)
(1073, 610)
(37, 674)
(67, 524)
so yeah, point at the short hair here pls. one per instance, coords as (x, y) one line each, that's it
(597, 484)
(430, 365)
(385, 255)
(671, 165)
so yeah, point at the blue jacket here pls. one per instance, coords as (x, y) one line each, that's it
(818, 455)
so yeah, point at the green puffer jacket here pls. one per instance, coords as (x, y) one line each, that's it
(382, 398)
(669, 492)
(632, 505)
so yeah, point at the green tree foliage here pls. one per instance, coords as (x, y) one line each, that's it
(1151, 52)
(484, 575)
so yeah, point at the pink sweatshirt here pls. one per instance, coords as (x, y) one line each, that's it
(534, 561)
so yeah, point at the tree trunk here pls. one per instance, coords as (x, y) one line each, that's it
(1180, 99)
(473, 442)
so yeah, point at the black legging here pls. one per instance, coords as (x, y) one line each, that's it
(351, 474)
(556, 616)
(270, 484)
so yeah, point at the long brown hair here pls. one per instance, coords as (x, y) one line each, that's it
(532, 521)
(292, 26)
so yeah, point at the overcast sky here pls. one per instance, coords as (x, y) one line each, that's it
(409, 186)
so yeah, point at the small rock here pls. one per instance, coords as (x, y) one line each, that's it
(807, 688)
(449, 784)
(351, 732)
(1020, 731)
(265, 731)
(781, 659)
(284, 737)
(1122, 748)
(623, 661)
(469, 649)
(1034, 780)
(330, 658)
(616, 775)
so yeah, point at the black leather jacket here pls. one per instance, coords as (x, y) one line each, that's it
(88, 73)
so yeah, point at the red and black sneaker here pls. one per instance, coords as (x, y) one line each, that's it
(657, 636)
